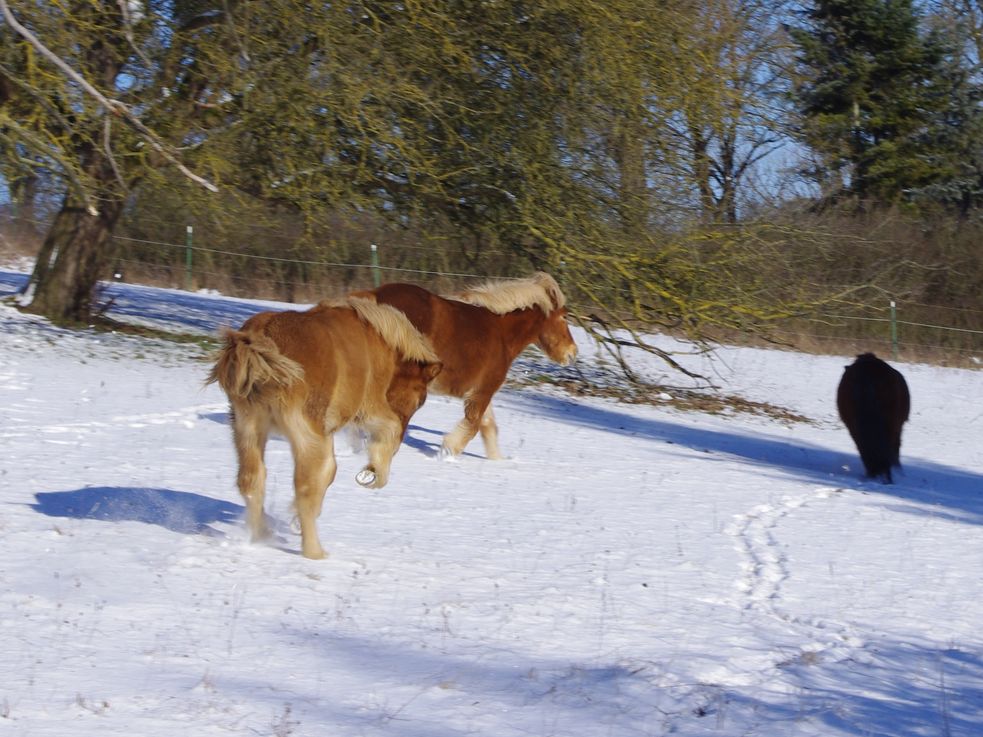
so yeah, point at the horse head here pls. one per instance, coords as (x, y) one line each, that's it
(555, 338)
(408, 389)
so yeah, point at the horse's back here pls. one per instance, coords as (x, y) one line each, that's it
(872, 383)
(413, 301)
(462, 334)
(346, 364)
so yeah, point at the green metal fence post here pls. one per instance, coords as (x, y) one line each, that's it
(187, 258)
(376, 278)
(894, 330)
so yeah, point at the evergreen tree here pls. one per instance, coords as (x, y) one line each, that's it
(959, 134)
(872, 95)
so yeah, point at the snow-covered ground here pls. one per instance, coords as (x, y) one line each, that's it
(628, 571)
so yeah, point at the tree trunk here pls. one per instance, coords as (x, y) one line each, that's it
(76, 253)
(23, 197)
(629, 156)
(729, 176)
(700, 153)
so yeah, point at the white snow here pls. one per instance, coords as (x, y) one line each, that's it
(629, 570)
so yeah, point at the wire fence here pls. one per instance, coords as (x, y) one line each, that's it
(910, 330)
(375, 266)
(301, 272)
(896, 329)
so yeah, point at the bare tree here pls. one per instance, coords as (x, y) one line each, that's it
(728, 115)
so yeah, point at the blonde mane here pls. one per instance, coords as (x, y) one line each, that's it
(394, 327)
(501, 296)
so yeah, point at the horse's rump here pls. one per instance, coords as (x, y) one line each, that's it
(251, 364)
(417, 304)
(874, 403)
(333, 355)
(392, 324)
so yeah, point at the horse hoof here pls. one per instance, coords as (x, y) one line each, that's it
(448, 455)
(366, 477)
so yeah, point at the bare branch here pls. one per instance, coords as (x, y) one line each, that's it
(124, 9)
(107, 145)
(33, 142)
(114, 106)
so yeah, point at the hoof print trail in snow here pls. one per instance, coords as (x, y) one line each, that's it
(764, 568)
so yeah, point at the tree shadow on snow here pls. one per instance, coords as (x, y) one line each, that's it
(182, 311)
(960, 492)
(170, 308)
(11, 282)
(897, 688)
(517, 693)
(177, 511)
(891, 688)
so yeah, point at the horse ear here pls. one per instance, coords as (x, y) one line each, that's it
(431, 370)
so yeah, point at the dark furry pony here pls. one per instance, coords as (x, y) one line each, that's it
(874, 403)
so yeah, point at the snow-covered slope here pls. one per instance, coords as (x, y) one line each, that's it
(627, 571)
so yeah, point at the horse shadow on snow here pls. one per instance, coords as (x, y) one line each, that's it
(956, 493)
(178, 511)
(878, 696)
(353, 441)
(183, 512)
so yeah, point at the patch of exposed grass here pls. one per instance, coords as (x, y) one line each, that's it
(105, 324)
(709, 400)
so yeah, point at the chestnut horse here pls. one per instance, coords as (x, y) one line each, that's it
(873, 402)
(477, 334)
(307, 374)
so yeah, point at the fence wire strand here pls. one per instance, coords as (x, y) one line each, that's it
(462, 275)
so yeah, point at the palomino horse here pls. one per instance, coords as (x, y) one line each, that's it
(873, 402)
(477, 334)
(307, 374)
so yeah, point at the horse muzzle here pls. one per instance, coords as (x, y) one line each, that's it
(569, 356)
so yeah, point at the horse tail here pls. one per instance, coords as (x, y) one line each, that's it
(394, 327)
(250, 364)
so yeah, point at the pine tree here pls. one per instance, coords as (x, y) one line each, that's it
(872, 95)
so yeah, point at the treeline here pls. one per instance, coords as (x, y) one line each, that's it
(711, 167)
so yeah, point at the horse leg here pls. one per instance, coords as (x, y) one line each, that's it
(489, 434)
(250, 432)
(314, 470)
(385, 434)
(474, 411)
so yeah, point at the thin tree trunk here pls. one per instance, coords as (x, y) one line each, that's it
(629, 155)
(23, 197)
(700, 152)
(729, 176)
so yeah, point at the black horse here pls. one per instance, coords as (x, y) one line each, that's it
(874, 403)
